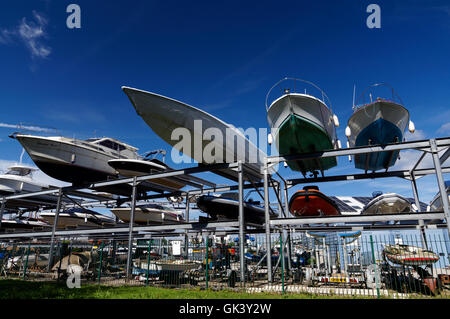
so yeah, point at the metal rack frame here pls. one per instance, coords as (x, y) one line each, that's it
(248, 178)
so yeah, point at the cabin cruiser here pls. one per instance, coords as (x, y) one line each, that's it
(377, 121)
(73, 160)
(302, 123)
(149, 213)
(19, 179)
(78, 217)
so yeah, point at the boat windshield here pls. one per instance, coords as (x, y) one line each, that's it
(295, 86)
(375, 93)
(19, 171)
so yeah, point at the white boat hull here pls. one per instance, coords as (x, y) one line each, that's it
(67, 221)
(176, 265)
(304, 106)
(163, 115)
(65, 161)
(146, 216)
(387, 204)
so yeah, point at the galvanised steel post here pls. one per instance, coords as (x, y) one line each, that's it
(267, 222)
(417, 202)
(26, 261)
(441, 184)
(186, 237)
(377, 284)
(207, 262)
(148, 259)
(241, 221)
(55, 224)
(288, 233)
(2, 209)
(130, 225)
(100, 264)
(282, 262)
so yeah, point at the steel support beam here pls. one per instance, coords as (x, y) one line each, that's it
(267, 222)
(423, 144)
(186, 236)
(241, 222)
(440, 181)
(55, 225)
(130, 232)
(2, 210)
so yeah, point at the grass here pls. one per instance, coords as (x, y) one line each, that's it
(19, 289)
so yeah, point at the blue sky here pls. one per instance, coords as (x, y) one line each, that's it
(222, 57)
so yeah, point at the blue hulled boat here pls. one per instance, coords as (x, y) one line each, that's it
(378, 122)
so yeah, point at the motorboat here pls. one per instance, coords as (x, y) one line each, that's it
(148, 166)
(436, 202)
(377, 121)
(176, 265)
(226, 206)
(302, 123)
(168, 117)
(19, 179)
(409, 255)
(73, 160)
(33, 260)
(22, 222)
(78, 217)
(310, 202)
(149, 213)
(389, 203)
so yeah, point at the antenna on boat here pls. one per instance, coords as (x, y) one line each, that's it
(21, 156)
(354, 92)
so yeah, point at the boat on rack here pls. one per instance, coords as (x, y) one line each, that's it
(78, 217)
(226, 206)
(164, 115)
(389, 203)
(22, 222)
(147, 166)
(302, 123)
(436, 202)
(73, 160)
(409, 255)
(310, 202)
(19, 179)
(149, 213)
(377, 121)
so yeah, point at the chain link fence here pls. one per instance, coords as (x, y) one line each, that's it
(383, 264)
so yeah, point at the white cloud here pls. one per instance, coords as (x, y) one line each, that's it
(416, 136)
(444, 129)
(32, 128)
(31, 33)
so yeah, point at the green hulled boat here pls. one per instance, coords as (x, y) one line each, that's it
(302, 123)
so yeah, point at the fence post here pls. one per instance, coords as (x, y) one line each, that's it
(148, 259)
(207, 263)
(376, 268)
(282, 262)
(100, 264)
(26, 261)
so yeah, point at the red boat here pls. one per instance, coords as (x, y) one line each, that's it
(310, 202)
